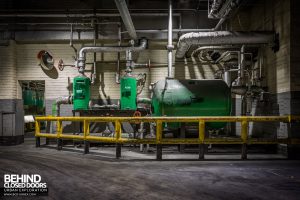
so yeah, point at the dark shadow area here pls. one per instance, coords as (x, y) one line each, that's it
(53, 73)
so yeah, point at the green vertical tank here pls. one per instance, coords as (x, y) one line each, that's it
(81, 92)
(173, 97)
(128, 93)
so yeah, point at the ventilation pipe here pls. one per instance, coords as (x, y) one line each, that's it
(221, 38)
(93, 49)
(170, 46)
(124, 12)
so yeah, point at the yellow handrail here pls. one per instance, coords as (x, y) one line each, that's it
(159, 140)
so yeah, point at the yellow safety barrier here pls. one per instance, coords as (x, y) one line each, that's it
(159, 140)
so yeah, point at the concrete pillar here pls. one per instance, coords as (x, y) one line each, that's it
(11, 108)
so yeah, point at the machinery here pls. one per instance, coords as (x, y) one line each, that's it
(128, 93)
(172, 97)
(81, 92)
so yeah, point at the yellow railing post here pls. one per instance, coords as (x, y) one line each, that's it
(201, 131)
(118, 131)
(244, 137)
(86, 132)
(37, 132)
(158, 139)
(58, 134)
(201, 139)
(86, 128)
(158, 131)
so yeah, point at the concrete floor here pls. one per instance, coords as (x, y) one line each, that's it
(72, 175)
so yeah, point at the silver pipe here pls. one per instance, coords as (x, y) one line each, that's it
(89, 15)
(227, 77)
(170, 41)
(166, 30)
(198, 50)
(71, 40)
(98, 10)
(94, 73)
(221, 38)
(62, 100)
(242, 62)
(84, 50)
(124, 12)
(119, 55)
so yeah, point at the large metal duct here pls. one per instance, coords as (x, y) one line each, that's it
(94, 49)
(221, 38)
(124, 12)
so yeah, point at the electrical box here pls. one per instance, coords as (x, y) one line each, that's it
(81, 92)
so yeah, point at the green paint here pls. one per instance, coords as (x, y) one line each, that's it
(81, 92)
(192, 98)
(128, 93)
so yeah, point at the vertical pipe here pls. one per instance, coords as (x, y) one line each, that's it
(242, 62)
(119, 55)
(227, 77)
(170, 41)
(94, 73)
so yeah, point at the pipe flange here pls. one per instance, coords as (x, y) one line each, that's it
(170, 47)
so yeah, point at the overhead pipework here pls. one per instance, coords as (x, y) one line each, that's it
(125, 15)
(170, 46)
(221, 38)
(95, 49)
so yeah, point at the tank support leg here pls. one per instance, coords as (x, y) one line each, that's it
(86, 147)
(37, 141)
(244, 152)
(118, 150)
(182, 135)
(201, 151)
(59, 144)
(158, 152)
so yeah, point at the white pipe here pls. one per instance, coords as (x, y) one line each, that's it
(124, 12)
(170, 41)
(29, 119)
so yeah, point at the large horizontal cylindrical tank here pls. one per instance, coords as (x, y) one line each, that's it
(81, 92)
(172, 97)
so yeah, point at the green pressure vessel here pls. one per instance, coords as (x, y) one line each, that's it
(128, 87)
(172, 97)
(81, 92)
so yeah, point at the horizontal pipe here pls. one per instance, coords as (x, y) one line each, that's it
(221, 38)
(94, 49)
(82, 15)
(29, 119)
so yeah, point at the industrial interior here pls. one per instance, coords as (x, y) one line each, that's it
(143, 99)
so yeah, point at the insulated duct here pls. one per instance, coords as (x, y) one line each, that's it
(221, 38)
(125, 15)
